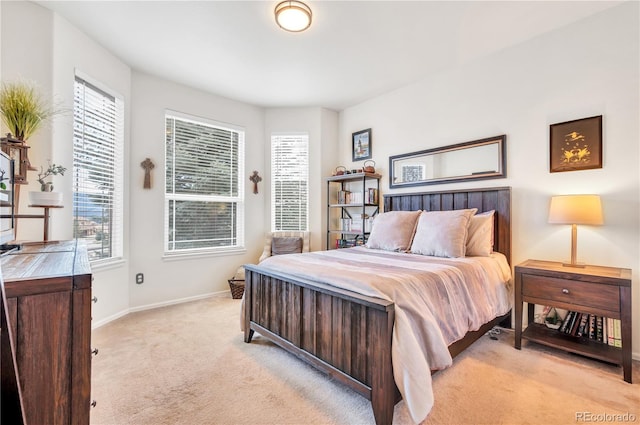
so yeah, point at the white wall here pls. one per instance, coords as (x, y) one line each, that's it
(586, 69)
(48, 53)
(36, 68)
(74, 51)
(185, 277)
(56, 49)
(321, 125)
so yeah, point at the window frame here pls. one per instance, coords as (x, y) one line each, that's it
(239, 199)
(274, 179)
(117, 222)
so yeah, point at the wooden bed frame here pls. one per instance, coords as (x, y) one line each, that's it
(348, 335)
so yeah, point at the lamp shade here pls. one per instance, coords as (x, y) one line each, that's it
(293, 16)
(575, 209)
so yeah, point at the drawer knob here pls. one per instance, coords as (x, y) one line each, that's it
(93, 403)
(94, 299)
(565, 291)
(94, 351)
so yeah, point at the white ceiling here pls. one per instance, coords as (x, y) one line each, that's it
(353, 51)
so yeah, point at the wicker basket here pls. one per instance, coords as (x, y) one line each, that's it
(237, 288)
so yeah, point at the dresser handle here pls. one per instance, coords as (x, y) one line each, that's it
(94, 299)
(93, 403)
(94, 351)
(565, 291)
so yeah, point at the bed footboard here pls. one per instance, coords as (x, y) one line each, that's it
(344, 334)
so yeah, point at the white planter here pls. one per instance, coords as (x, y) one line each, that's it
(52, 199)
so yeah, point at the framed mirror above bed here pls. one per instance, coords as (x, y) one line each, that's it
(475, 160)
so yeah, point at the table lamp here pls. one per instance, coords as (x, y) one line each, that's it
(574, 210)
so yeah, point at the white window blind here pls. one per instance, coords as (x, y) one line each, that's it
(204, 194)
(290, 182)
(98, 142)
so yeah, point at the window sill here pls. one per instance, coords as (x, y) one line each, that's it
(112, 263)
(202, 254)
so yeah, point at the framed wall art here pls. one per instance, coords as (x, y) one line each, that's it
(361, 144)
(576, 145)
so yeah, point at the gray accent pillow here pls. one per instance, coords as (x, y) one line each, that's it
(286, 245)
(393, 230)
(442, 233)
(480, 237)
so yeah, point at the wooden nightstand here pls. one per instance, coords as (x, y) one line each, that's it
(603, 291)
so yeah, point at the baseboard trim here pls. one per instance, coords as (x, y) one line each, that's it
(123, 313)
(99, 323)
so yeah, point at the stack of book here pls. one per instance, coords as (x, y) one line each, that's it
(371, 196)
(344, 197)
(356, 224)
(590, 326)
(348, 243)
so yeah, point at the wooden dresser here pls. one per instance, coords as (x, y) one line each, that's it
(48, 289)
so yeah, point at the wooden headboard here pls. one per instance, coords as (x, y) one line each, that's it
(487, 199)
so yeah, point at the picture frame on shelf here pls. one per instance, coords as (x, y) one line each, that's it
(361, 144)
(576, 145)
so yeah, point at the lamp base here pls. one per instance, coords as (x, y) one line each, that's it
(575, 265)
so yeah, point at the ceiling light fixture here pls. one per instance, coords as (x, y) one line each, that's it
(293, 16)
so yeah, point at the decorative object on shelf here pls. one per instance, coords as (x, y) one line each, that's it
(53, 170)
(42, 199)
(476, 160)
(46, 196)
(340, 170)
(361, 144)
(369, 168)
(148, 165)
(18, 151)
(293, 16)
(553, 320)
(3, 173)
(574, 210)
(255, 179)
(23, 110)
(576, 145)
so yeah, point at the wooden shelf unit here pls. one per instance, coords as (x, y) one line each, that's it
(363, 182)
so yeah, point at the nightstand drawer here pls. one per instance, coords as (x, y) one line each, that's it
(602, 297)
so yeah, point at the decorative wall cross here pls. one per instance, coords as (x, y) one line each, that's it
(148, 166)
(255, 178)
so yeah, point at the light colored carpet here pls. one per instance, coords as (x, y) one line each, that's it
(188, 364)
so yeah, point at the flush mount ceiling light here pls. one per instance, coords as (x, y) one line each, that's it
(294, 16)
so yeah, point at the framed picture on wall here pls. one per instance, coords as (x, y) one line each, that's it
(361, 144)
(576, 145)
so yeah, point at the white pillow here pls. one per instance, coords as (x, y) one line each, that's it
(393, 230)
(442, 233)
(480, 237)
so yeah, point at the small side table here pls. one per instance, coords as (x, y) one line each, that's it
(44, 216)
(597, 290)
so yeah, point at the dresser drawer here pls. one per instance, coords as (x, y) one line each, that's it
(602, 297)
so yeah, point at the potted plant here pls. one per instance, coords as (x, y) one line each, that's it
(47, 196)
(51, 171)
(23, 110)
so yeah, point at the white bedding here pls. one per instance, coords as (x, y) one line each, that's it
(437, 301)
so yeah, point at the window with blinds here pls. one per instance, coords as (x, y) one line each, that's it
(290, 182)
(204, 196)
(98, 142)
